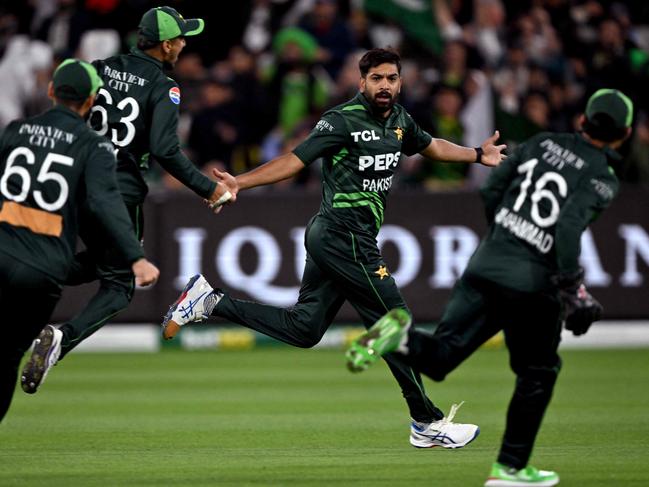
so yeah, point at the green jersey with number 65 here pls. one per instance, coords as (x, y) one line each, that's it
(360, 155)
(137, 109)
(538, 203)
(50, 165)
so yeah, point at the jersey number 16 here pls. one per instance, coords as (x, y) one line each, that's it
(541, 193)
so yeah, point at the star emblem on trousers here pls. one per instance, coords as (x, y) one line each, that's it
(399, 132)
(382, 272)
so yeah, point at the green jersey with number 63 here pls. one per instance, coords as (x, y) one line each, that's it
(137, 109)
(360, 155)
(50, 165)
(538, 203)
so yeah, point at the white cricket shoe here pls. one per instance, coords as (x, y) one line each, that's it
(443, 433)
(191, 306)
(45, 354)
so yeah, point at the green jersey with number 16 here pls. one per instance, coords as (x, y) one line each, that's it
(137, 109)
(538, 202)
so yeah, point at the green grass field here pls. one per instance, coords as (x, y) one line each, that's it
(289, 417)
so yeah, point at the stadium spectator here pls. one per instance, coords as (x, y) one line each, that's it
(635, 167)
(442, 120)
(24, 67)
(487, 32)
(563, 48)
(296, 87)
(608, 62)
(215, 128)
(63, 28)
(332, 34)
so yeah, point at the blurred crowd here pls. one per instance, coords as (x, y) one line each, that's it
(257, 80)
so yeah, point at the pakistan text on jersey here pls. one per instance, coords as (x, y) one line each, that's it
(383, 184)
(45, 135)
(122, 80)
(525, 230)
(558, 156)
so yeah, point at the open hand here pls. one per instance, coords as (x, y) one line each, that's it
(492, 154)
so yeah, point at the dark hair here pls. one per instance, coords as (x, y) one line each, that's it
(71, 104)
(144, 44)
(376, 57)
(601, 126)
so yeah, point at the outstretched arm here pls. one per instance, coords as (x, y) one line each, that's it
(278, 169)
(327, 137)
(275, 170)
(443, 150)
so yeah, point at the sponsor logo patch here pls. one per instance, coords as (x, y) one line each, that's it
(174, 95)
(323, 125)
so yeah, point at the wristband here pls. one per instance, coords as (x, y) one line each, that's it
(478, 155)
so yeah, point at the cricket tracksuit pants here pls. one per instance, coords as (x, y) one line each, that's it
(340, 266)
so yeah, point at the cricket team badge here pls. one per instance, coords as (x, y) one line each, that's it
(382, 272)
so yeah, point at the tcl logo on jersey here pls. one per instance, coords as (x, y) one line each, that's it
(365, 135)
(381, 162)
(174, 95)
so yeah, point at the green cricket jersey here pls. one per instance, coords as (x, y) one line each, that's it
(360, 155)
(137, 109)
(538, 203)
(49, 165)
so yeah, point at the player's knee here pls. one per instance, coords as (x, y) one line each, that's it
(307, 328)
(121, 296)
(443, 364)
(537, 381)
(309, 339)
(305, 343)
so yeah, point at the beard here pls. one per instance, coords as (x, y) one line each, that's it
(381, 102)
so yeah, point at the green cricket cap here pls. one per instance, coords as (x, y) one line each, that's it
(613, 103)
(163, 23)
(76, 80)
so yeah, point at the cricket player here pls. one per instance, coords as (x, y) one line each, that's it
(137, 109)
(361, 143)
(524, 278)
(50, 165)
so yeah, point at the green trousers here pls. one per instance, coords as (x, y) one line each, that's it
(340, 267)
(477, 310)
(100, 261)
(27, 299)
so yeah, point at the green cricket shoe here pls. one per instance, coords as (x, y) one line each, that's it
(385, 336)
(504, 476)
